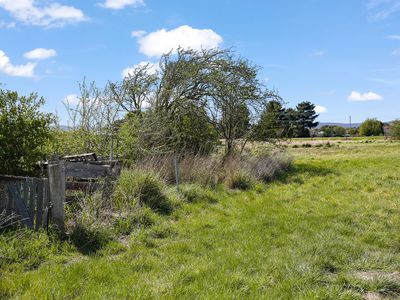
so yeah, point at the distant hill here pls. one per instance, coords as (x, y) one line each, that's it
(338, 124)
(345, 125)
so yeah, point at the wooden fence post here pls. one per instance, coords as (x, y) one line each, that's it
(56, 173)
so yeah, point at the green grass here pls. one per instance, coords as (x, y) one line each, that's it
(301, 237)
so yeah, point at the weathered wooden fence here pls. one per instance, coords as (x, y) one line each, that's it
(39, 201)
(35, 202)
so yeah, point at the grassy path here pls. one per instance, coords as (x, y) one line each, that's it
(311, 235)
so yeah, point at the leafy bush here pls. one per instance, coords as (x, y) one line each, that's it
(24, 129)
(371, 127)
(137, 188)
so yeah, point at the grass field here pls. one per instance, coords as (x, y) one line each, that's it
(327, 230)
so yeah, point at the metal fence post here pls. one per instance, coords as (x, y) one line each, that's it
(176, 172)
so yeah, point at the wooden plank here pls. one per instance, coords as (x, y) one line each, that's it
(57, 193)
(25, 189)
(82, 186)
(86, 170)
(46, 203)
(19, 202)
(32, 199)
(39, 203)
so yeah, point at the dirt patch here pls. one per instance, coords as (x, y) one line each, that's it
(374, 275)
(373, 296)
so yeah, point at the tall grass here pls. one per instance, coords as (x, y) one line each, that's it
(213, 170)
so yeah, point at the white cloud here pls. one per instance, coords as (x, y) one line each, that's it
(8, 68)
(320, 109)
(138, 33)
(40, 53)
(360, 97)
(42, 13)
(393, 37)
(320, 53)
(153, 68)
(382, 9)
(120, 4)
(162, 41)
(71, 99)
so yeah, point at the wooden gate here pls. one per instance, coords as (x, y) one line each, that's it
(28, 198)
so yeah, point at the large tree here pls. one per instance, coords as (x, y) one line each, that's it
(237, 100)
(24, 130)
(306, 118)
(371, 127)
(271, 124)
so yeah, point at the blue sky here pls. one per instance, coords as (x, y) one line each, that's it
(342, 55)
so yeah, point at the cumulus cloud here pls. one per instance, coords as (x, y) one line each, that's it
(163, 41)
(8, 68)
(40, 53)
(120, 4)
(153, 68)
(361, 97)
(319, 109)
(42, 13)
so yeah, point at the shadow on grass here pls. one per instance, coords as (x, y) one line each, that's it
(297, 172)
(89, 240)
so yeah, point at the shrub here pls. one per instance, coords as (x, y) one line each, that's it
(138, 188)
(267, 167)
(240, 180)
(395, 130)
(24, 129)
(195, 193)
(371, 127)
(89, 238)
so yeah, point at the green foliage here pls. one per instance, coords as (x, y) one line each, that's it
(129, 146)
(24, 130)
(395, 130)
(306, 118)
(333, 131)
(271, 124)
(141, 188)
(371, 127)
